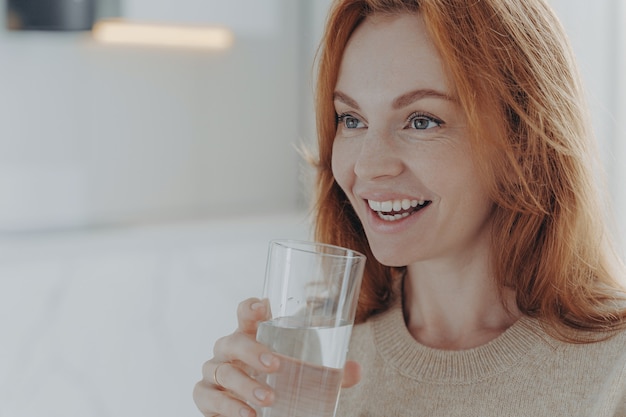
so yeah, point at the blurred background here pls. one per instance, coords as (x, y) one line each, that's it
(139, 185)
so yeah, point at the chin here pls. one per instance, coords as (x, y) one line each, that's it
(390, 257)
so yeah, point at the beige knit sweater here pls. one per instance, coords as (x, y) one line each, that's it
(523, 372)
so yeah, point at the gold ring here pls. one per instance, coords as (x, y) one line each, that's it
(215, 375)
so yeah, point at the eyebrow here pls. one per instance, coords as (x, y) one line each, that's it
(400, 101)
(345, 99)
(413, 96)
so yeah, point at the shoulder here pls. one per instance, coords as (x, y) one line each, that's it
(613, 346)
(606, 355)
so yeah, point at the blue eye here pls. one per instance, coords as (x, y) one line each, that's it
(349, 122)
(421, 121)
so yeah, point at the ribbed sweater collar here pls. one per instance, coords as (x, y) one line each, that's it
(414, 360)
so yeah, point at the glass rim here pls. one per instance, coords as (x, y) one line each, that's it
(308, 246)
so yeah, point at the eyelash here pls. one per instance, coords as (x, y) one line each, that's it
(340, 118)
(421, 115)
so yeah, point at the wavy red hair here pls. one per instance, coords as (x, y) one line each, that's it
(511, 65)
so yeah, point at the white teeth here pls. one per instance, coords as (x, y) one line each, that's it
(375, 205)
(392, 217)
(385, 208)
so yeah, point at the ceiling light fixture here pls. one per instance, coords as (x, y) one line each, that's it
(124, 32)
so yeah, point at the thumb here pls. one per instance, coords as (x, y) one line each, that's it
(250, 312)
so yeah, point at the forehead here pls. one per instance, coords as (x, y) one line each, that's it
(390, 54)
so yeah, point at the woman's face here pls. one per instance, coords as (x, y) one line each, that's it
(402, 153)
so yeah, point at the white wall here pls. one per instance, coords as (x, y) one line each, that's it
(598, 38)
(618, 93)
(93, 134)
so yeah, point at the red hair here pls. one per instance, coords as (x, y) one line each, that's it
(510, 65)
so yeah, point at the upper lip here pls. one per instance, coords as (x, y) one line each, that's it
(386, 195)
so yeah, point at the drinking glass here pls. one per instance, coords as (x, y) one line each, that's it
(312, 290)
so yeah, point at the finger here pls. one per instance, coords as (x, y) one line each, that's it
(212, 402)
(351, 374)
(250, 312)
(232, 378)
(239, 347)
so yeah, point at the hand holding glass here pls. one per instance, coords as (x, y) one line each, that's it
(313, 291)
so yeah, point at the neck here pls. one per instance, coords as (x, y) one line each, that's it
(455, 307)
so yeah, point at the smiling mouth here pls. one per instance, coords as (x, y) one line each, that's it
(394, 210)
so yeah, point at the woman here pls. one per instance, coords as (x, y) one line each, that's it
(454, 150)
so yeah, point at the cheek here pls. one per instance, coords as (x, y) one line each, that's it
(341, 165)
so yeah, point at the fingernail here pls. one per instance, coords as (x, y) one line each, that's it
(257, 306)
(261, 394)
(267, 359)
(244, 412)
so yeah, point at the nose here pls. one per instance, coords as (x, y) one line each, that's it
(378, 158)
